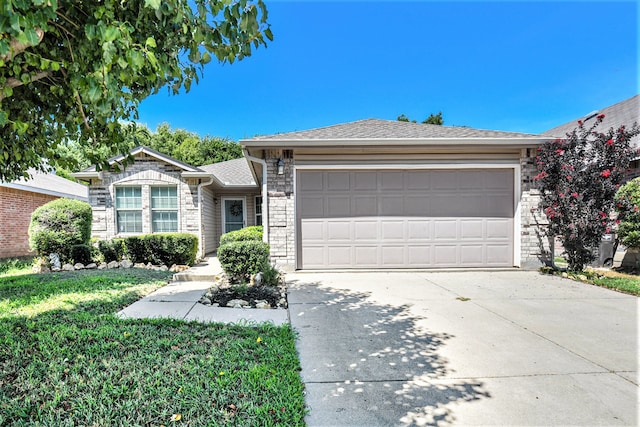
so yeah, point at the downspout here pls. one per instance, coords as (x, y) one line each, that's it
(265, 200)
(200, 230)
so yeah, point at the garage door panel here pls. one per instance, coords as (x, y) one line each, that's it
(499, 229)
(445, 255)
(395, 219)
(312, 206)
(338, 206)
(391, 181)
(419, 256)
(365, 180)
(338, 181)
(419, 230)
(339, 231)
(391, 205)
(366, 256)
(472, 254)
(392, 256)
(339, 256)
(365, 205)
(366, 230)
(498, 255)
(471, 229)
(393, 230)
(445, 229)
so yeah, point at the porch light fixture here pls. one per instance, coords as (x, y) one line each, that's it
(280, 165)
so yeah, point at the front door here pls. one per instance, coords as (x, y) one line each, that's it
(233, 214)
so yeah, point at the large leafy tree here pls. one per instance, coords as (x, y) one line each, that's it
(77, 69)
(578, 179)
(180, 144)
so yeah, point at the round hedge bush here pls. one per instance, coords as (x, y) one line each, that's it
(627, 205)
(59, 225)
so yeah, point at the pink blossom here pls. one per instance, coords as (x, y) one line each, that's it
(605, 173)
(559, 151)
(600, 116)
(574, 195)
(607, 230)
(610, 142)
(580, 122)
(603, 215)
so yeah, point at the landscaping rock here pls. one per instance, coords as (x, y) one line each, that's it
(262, 304)
(178, 268)
(139, 265)
(78, 266)
(102, 266)
(565, 275)
(125, 263)
(282, 302)
(91, 266)
(237, 303)
(163, 268)
(582, 277)
(68, 267)
(40, 268)
(205, 301)
(113, 264)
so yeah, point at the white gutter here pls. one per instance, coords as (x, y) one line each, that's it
(265, 200)
(200, 230)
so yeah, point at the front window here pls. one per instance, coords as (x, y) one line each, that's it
(259, 210)
(164, 209)
(129, 209)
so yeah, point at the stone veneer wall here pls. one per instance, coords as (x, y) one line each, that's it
(535, 247)
(145, 172)
(281, 208)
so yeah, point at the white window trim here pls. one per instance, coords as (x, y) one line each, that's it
(256, 214)
(177, 209)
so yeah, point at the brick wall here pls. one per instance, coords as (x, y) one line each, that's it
(535, 248)
(16, 207)
(281, 210)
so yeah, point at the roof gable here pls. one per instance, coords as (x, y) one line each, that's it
(234, 172)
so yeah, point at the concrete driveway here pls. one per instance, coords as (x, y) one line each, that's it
(464, 348)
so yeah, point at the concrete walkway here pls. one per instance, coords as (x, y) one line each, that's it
(464, 348)
(179, 300)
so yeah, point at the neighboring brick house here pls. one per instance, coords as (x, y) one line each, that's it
(18, 200)
(388, 194)
(160, 194)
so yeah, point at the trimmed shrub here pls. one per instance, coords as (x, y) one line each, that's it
(243, 258)
(58, 225)
(136, 249)
(627, 205)
(81, 254)
(248, 233)
(171, 248)
(111, 250)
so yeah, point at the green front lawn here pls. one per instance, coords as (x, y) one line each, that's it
(65, 359)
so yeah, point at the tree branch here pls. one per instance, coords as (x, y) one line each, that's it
(16, 48)
(13, 82)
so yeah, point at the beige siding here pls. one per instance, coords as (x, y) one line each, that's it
(208, 221)
(250, 206)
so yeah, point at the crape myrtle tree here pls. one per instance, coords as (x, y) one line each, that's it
(578, 179)
(76, 70)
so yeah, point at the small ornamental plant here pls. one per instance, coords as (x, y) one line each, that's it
(627, 202)
(578, 178)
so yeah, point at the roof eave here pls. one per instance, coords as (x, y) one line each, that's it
(87, 175)
(387, 142)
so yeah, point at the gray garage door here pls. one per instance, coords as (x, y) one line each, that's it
(405, 218)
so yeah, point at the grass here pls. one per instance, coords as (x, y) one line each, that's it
(66, 360)
(15, 266)
(618, 281)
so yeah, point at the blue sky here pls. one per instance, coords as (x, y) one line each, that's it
(513, 66)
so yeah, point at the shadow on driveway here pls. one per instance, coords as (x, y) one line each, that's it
(369, 364)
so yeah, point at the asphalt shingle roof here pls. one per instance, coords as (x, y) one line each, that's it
(625, 112)
(49, 183)
(388, 129)
(231, 172)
